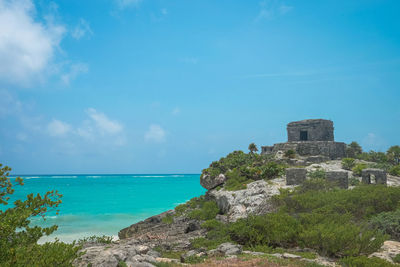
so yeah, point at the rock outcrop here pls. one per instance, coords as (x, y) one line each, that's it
(209, 182)
(252, 200)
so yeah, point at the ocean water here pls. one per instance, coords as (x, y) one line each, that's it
(105, 204)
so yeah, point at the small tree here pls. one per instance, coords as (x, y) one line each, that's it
(353, 149)
(18, 240)
(253, 148)
(393, 154)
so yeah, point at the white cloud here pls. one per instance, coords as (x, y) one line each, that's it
(81, 30)
(127, 3)
(58, 128)
(26, 46)
(155, 134)
(74, 71)
(270, 9)
(103, 123)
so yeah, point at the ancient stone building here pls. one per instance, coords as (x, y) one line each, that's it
(310, 138)
(310, 130)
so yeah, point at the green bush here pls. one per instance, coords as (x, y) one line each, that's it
(49, 254)
(353, 150)
(396, 258)
(364, 261)
(18, 240)
(395, 170)
(362, 202)
(207, 211)
(168, 219)
(317, 174)
(96, 240)
(272, 170)
(236, 181)
(336, 235)
(274, 229)
(358, 168)
(291, 154)
(388, 223)
(348, 163)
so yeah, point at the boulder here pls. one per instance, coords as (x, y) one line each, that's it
(229, 249)
(209, 182)
(255, 199)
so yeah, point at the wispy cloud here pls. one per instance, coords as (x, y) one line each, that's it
(58, 128)
(155, 134)
(103, 123)
(27, 46)
(82, 30)
(74, 71)
(270, 9)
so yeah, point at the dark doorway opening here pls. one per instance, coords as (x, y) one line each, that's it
(303, 136)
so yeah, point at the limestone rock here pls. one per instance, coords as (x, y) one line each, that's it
(252, 200)
(209, 182)
(290, 256)
(229, 249)
(388, 251)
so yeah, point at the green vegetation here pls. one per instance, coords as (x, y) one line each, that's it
(206, 211)
(348, 163)
(197, 208)
(335, 222)
(168, 219)
(18, 240)
(317, 174)
(241, 168)
(291, 154)
(253, 148)
(396, 259)
(388, 223)
(358, 168)
(96, 240)
(353, 150)
(395, 170)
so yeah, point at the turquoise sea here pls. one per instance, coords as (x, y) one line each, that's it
(104, 204)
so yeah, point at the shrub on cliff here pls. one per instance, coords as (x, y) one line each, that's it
(357, 169)
(18, 240)
(348, 163)
(353, 149)
(274, 229)
(395, 170)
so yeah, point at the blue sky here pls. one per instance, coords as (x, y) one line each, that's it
(156, 86)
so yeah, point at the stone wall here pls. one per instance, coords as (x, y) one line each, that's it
(339, 178)
(295, 176)
(379, 176)
(313, 130)
(330, 149)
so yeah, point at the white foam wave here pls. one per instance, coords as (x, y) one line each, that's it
(63, 176)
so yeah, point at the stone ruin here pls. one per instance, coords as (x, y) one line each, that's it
(310, 138)
(340, 178)
(374, 176)
(295, 176)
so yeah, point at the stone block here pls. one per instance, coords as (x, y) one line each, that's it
(295, 176)
(374, 176)
(340, 178)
